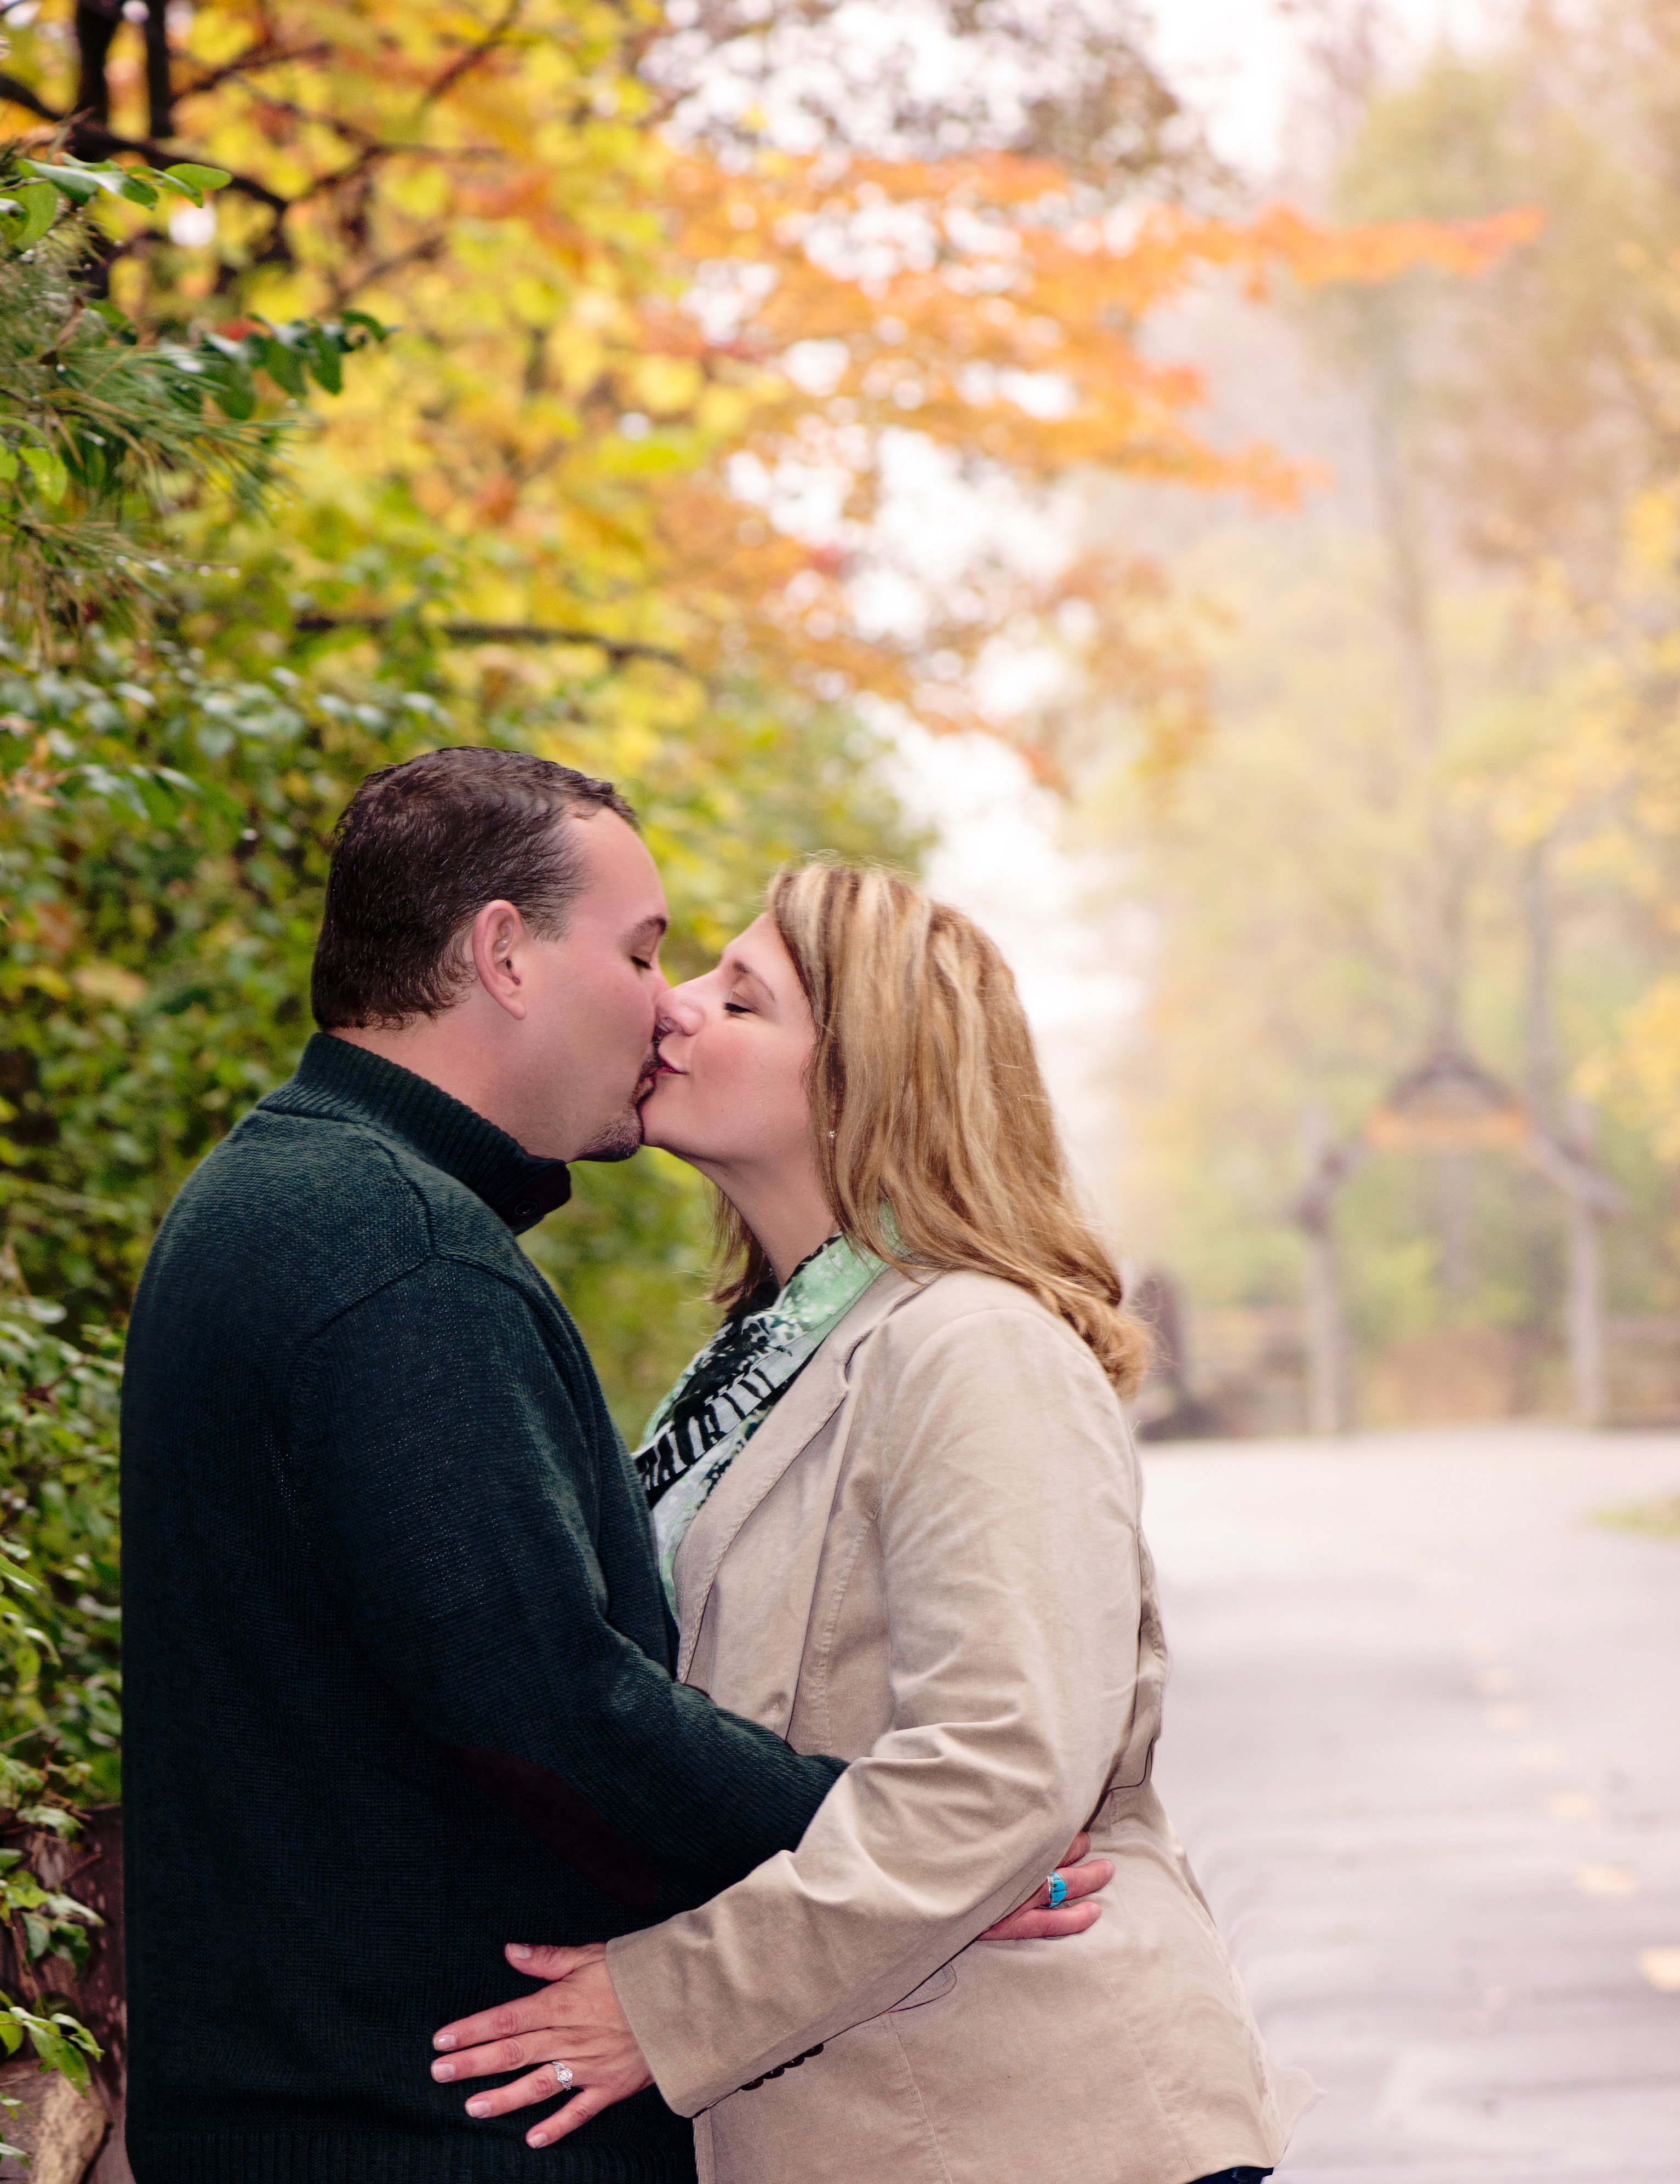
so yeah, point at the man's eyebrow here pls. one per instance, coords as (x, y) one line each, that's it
(654, 928)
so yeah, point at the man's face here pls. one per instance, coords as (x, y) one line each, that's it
(593, 996)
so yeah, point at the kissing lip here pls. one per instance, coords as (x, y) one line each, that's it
(649, 1084)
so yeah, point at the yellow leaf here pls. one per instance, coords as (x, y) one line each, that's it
(110, 982)
(665, 384)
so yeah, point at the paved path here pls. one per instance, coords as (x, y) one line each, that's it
(1423, 1741)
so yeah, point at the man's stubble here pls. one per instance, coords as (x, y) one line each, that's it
(621, 1140)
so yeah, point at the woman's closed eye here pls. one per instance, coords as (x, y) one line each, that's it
(738, 1009)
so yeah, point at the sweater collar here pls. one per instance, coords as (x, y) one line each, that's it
(347, 1083)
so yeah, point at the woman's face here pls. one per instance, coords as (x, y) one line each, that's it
(733, 1051)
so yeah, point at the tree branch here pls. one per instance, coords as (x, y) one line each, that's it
(503, 633)
(254, 57)
(470, 59)
(14, 93)
(423, 253)
(370, 145)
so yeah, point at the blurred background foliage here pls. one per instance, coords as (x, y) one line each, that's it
(1441, 809)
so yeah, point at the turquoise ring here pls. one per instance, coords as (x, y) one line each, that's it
(1058, 1892)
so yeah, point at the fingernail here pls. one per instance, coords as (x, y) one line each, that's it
(443, 2040)
(443, 2072)
(537, 2138)
(519, 1949)
(478, 2107)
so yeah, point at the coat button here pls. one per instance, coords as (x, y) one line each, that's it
(525, 1211)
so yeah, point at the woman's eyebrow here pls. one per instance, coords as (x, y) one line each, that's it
(739, 967)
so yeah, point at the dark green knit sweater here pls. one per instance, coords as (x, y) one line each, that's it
(397, 1670)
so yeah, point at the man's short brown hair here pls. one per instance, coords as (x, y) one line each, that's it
(419, 851)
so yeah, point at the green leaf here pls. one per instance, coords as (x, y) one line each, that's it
(34, 205)
(283, 365)
(8, 465)
(194, 176)
(68, 1911)
(326, 362)
(234, 390)
(244, 350)
(72, 180)
(47, 466)
(81, 189)
(53, 1817)
(117, 182)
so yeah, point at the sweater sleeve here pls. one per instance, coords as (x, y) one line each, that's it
(455, 1498)
(1013, 1591)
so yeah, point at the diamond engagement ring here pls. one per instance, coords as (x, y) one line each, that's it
(563, 2077)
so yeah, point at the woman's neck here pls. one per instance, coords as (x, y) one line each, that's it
(783, 1205)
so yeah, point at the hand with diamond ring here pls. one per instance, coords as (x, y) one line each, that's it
(575, 2022)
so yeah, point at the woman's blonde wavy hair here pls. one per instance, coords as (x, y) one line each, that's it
(944, 1150)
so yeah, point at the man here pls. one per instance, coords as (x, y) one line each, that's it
(397, 1660)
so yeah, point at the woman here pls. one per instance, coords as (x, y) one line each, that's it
(898, 1507)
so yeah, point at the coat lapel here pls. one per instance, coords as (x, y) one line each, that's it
(791, 1427)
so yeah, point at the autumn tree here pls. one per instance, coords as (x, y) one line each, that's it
(1543, 436)
(1445, 748)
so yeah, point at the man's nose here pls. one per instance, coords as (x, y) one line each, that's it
(675, 1012)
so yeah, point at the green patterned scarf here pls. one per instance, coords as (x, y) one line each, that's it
(730, 1388)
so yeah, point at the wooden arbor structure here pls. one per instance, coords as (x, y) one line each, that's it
(1451, 1105)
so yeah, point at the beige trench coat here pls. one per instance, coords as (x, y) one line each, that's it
(928, 1561)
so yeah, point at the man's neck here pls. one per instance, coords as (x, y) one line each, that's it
(425, 1047)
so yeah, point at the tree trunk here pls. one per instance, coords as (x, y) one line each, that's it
(1452, 1200)
(1329, 1393)
(1330, 1404)
(1540, 1039)
(1585, 1311)
(159, 87)
(97, 24)
(1586, 1314)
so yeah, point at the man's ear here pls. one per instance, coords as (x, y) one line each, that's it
(498, 944)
